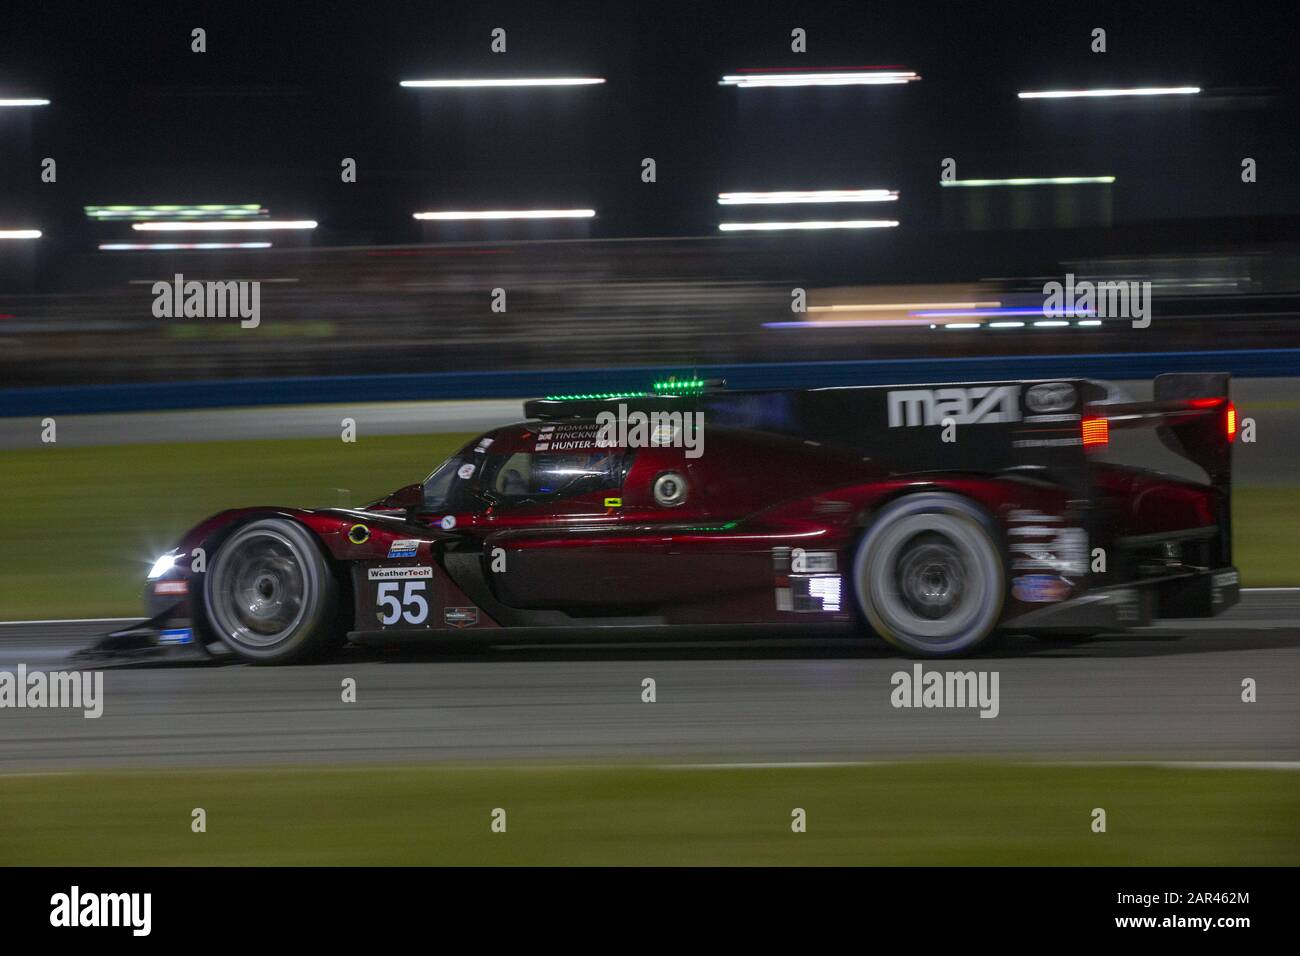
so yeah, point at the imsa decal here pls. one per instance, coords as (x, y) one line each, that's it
(978, 405)
(403, 548)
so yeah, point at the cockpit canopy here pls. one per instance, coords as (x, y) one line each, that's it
(526, 464)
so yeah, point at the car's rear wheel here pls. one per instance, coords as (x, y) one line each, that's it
(929, 575)
(269, 593)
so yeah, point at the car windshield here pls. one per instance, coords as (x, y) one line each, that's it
(450, 487)
(474, 479)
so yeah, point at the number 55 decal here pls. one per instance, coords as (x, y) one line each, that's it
(412, 607)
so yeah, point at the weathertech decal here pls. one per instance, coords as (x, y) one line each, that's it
(399, 574)
(460, 616)
(979, 405)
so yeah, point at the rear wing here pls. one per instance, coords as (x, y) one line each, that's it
(1193, 415)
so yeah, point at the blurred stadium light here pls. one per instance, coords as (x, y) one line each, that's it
(496, 214)
(807, 224)
(1134, 91)
(748, 80)
(496, 83)
(207, 211)
(261, 225)
(174, 246)
(791, 196)
(1031, 181)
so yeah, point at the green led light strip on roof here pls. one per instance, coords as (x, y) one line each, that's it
(690, 386)
(596, 396)
(672, 386)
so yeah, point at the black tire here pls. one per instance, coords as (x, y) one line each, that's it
(270, 595)
(929, 575)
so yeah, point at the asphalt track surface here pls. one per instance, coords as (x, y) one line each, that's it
(1170, 693)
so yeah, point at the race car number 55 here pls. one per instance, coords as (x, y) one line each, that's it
(412, 607)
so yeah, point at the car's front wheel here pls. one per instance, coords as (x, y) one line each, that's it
(269, 593)
(929, 575)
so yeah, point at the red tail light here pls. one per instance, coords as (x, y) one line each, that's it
(1096, 432)
(1230, 420)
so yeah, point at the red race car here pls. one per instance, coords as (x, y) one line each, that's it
(931, 515)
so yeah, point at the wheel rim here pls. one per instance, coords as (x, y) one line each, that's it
(931, 576)
(259, 590)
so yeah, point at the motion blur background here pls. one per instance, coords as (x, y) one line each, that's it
(282, 96)
(379, 317)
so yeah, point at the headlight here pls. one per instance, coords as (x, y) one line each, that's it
(162, 565)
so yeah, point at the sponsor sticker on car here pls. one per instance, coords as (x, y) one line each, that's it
(403, 548)
(812, 562)
(460, 616)
(1040, 588)
(399, 574)
(1224, 579)
(567, 437)
(176, 635)
(1050, 397)
(983, 404)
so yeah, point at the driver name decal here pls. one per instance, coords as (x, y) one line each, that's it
(552, 437)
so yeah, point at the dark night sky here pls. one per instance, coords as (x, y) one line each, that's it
(286, 90)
